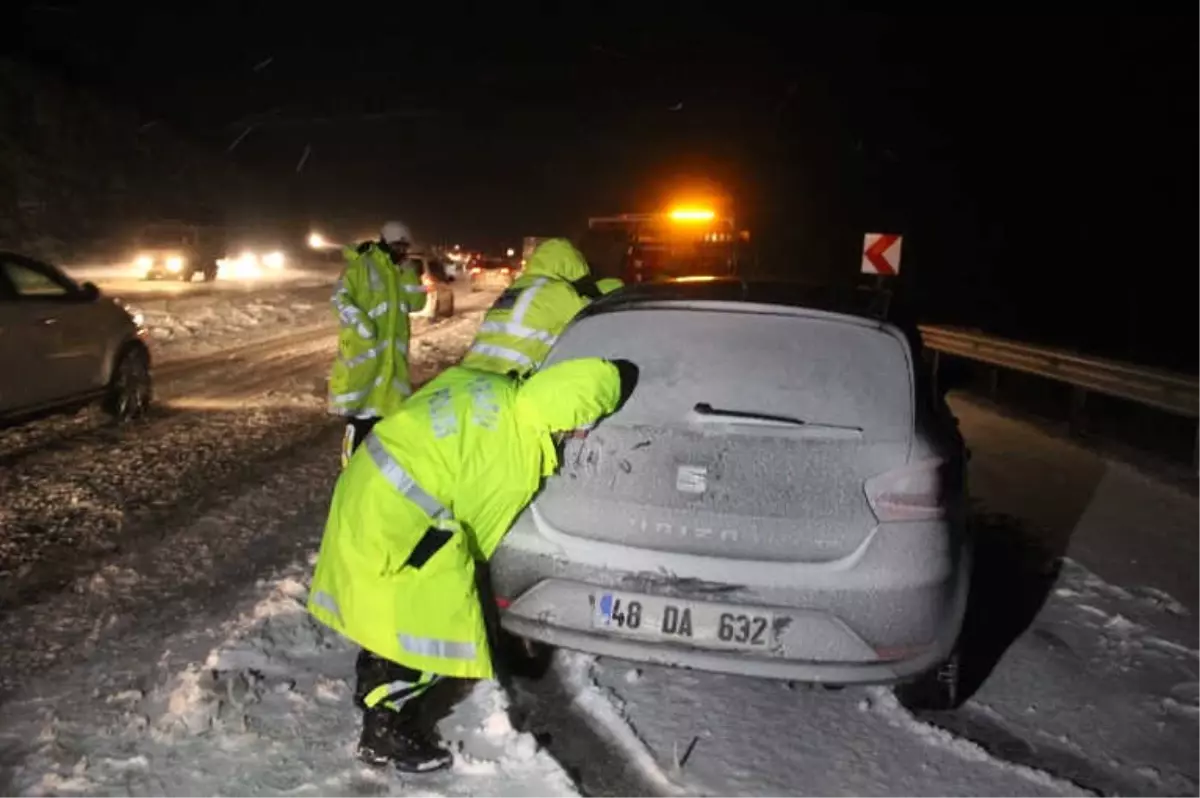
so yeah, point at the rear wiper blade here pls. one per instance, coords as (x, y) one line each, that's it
(704, 412)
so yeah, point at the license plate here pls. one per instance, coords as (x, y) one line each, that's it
(696, 622)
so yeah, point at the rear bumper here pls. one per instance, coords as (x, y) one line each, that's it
(891, 611)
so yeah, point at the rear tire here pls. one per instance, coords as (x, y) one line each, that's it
(130, 390)
(936, 690)
(523, 658)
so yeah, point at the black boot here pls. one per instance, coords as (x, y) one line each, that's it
(399, 739)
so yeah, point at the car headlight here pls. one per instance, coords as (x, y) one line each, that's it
(174, 263)
(144, 261)
(274, 260)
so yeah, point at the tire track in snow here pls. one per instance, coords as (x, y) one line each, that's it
(579, 724)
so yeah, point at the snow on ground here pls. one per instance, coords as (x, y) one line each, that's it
(268, 712)
(729, 735)
(1104, 686)
(278, 312)
(158, 665)
(197, 317)
(1099, 697)
(162, 667)
(1098, 560)
(195, 325)
(1085, 683)
(205, 320)
(81, 493)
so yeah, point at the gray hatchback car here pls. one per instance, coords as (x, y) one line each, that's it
(783, 496)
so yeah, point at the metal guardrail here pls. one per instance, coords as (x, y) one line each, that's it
(1164, 390)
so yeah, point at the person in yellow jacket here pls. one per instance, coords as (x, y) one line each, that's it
(525, 321)
(433, 489)
(373, 298)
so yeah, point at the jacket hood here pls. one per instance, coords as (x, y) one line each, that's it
(557, 257)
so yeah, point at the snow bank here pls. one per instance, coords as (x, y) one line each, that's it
(883, 702)
(194, 325)
(269, 713)
(1106, 676)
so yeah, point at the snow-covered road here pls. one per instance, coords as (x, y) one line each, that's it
(79, 492)
(151, 604)
(152, 608)
(125, 281)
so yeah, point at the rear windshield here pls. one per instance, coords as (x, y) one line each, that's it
(820, 370)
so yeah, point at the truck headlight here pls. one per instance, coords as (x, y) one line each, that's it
(273, 260)
(174, 263)
(144, 262)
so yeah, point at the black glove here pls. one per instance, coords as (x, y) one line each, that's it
(586, 286)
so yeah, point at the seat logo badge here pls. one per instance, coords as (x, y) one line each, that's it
(691, 479)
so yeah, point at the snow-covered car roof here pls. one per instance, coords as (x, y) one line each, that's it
(841, 300)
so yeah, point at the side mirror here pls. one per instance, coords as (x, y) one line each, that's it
(90, 292)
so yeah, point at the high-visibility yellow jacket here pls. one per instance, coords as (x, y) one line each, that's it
(434, 488)
(607, 285)
(525, 321)
(372, 299)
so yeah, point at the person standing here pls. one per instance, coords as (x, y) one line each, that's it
(373, 298)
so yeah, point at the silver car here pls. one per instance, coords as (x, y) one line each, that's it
(64, 345)
(782, 496)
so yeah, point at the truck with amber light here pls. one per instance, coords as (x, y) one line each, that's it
(685, 241)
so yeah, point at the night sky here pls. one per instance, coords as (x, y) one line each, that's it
(1042, 169)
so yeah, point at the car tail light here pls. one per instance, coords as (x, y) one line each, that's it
(475, 270)
(924, 491)
(504, 271)
(503, 603)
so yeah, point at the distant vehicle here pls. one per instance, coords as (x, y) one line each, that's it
(254, 261)
(682, 242)
(491, 274)
(782, 496)
(177, 251)
(64, 345)
(439, 303)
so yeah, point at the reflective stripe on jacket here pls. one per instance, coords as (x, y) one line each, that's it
(525, 321)
(434, 488)
(372, 300)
